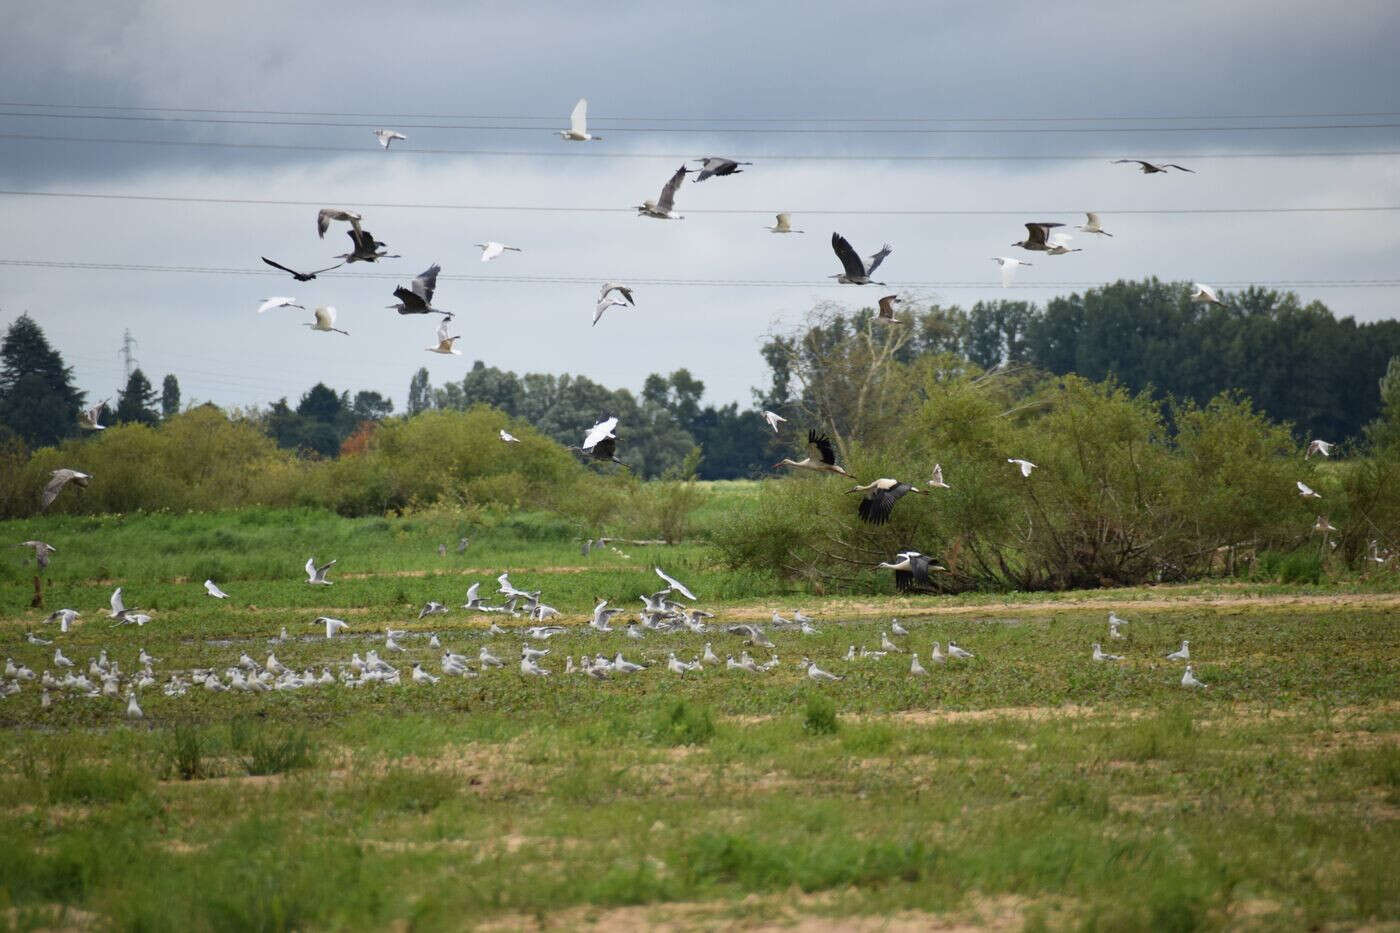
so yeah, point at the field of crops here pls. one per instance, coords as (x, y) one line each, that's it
(1028, 786)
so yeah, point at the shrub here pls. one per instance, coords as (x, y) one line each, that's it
(682, 724)
(820, 718)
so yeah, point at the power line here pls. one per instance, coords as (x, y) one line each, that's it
(559, 209)
(604, 116)
(227, 121)
(593, 280)
(370, 150)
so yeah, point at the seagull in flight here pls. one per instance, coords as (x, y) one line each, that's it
(675, 584)
(90, 419)
(328, 214)
(603, 305)
(317, 575)
(1091, 225)
(64, 618)
(1025, 466)
(854, 270)
(663, 208)
(774, 419)
(418, 297)
(325, 321)
(41, 552)
(610, 287)
(1205, 295)
(332, 625)
(783, 225)
(1153, 168)
(1008, 268)
(213, 590)
(385, 137)
(444, 340)
(299, 276)
(1318, 447)
(491, 249)
(578, 124)
(60, 479)
(937, 481)
(1307, 492)
(270, 304)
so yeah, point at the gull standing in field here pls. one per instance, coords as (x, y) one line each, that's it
(36, 640)
(89, 419)
(578, 124)
(299, 276)
(60, 479)
(315, 575)
(783, 225)
(491, 249)
(1153, 168)
(1101, 655)
(898, 629)
(487, 659)
(915, 668)
(133, 709)
(675, 666)
(888, 646)
(421, 676)
(1008, 268)
(856, 271)
(1188, 679)
(663, 208)
(270, 304)
(1306, 491)
(955, 652)
(1204, 294)
(509, 439)
(1025, 466)
(529, 668)
(675, 584)
(213, 590)
(774, 419)
(1113, 624)
(936, 655)
(1091, 225)
(445, 340)
(41, 551)
(1318, 447)
(59, 660)
(817, 674)
(1181, 654)
(325, 321)
(385, 137)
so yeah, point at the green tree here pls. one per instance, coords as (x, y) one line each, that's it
(420, 392)
(37, 399)
(169, 396)
(371, 406)
(1384, 431)
(136, 402)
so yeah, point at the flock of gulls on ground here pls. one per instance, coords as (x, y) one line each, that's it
(912, 569)
(385, 664)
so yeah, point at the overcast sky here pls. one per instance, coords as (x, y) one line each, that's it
(676, 64)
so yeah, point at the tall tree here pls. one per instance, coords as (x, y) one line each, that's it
(169, 396)
(320, 403)
(37, 398)
(420, 392)
(371, 406)
(136, 402)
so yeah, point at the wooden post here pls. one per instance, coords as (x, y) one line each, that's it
(38, 601)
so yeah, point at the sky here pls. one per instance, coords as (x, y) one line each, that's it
(666, 82)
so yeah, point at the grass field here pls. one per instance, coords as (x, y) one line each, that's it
(1028, 787)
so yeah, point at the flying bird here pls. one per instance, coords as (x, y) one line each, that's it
(1059, 245)
(332, 625)
(491, 249)
(856, 272)
(603, 305)
(328, 214)
(366, 248)
(675, 584)
(937, 481)
(578, 124)
(600, 443)
(623, 290)
(1205, 295)
(886, 312)
(663, 207)
(41, 551)
(1037, 234)
(1318, 447)
(1025, 466)
(774, 419)
(62, 478)
(1306, 491)
(418, 297)
(445, 340)
(317, 575)
(300, 276)
(718, 165)
(325, 321)
(826, 456)
(1324, 526)
(89, 419)
(1008, 268)
(880, 497)
(270, 304)
(1153, 168)
(385, 137)
(783, 225)
(1091, 225)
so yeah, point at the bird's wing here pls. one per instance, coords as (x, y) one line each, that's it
(598, 309)
(626, 293)
(878, 258)
(823, 445)
(1091, 218)
(327, 269)
(116, 601)
(278, 265)
(606, 448)
(325, 315)
(599, 431)
(410, 300)
(668, 193)
(887, 308)
(578, 119)
(442, 335)
(1132, 162)
(1037, 233)
(1007, 269)
(675, 584)
(55, 485)
(1180, 168)
(844, 252)
(425, 283)
(323, 222)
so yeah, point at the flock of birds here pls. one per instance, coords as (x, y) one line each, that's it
(397, 654)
